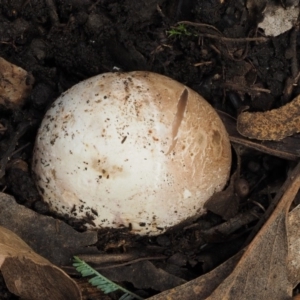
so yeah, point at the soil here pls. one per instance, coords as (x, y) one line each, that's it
(61, 42)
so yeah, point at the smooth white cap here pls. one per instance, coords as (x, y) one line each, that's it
(131, 149)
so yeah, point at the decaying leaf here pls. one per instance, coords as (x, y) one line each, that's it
(31, 276)
(144, 275)
(15, 84)
(255, 6)
(288, 148)
(262, 271)
(278, 19)
(271, 125)
(51, 238)
(201, 287)
(224, 203)
(294, 245)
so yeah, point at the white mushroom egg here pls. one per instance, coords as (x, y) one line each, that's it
(136, 150)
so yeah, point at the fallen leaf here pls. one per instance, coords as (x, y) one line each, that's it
(294, 245)
(31, 276)
(278, 19)
(262, 271)
(256, 7)
(226, 202)
(259, 271)
(49, 237)
(143, 275)
(273, 125)
(203, 286)
(15, 84)
(288, 148)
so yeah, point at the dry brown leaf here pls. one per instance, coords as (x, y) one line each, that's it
(143, 275)
(271, 125)
(262, 271)
(255, 6)
(201, 287)
(15, 84)
(31, 276)
(278, 19)
(226, 202)
(51, 238)
(288, 148)
(294, 245)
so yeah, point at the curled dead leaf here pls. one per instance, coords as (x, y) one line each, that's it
(224, 203)
(51, 238)
(15, 84)
(273, 125)
(294, 245)
(260, 270)
(31, 276)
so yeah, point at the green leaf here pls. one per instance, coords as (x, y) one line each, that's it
(100, 281)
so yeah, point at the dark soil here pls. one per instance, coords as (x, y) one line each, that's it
(62, 42)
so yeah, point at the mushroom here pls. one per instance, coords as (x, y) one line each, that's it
(136, 150)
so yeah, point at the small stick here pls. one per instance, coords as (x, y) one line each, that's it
(131, 262)
(246, 88)
(52, 12)
(223, 38)
(22, 128)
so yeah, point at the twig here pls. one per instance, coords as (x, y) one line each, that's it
(108, 258)
(293, 42)
(236, 40)
(205, 63)
(294, 78)
(52, 12)
(22, 128)
(70, 270)
(227, 227)
(232, 224)
(246, 88)
(131, 262)
(20, 149)
(220, 36)
(200, 25)
(160, 12)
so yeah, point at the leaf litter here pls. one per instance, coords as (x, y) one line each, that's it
(53, 239)
(31, 276)
(273, 125)
(168, 59)
(258, 271)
